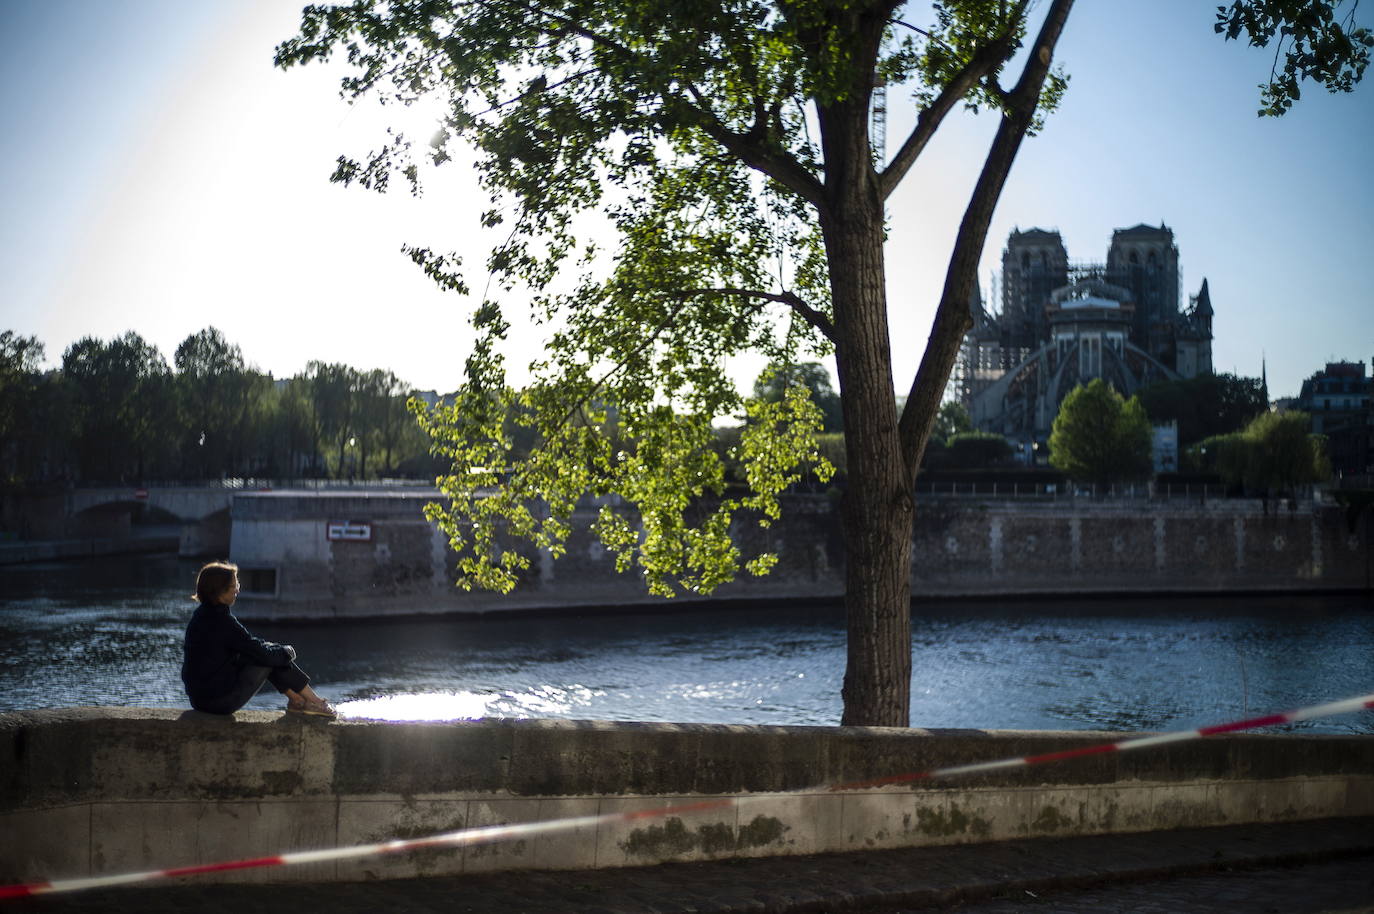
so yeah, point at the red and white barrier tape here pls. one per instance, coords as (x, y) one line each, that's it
(493, 833)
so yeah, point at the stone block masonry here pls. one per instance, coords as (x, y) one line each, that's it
(402, 565)
(102, 790)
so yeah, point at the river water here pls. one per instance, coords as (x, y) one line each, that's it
(109, 633)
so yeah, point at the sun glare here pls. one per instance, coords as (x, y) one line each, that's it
(539, 701)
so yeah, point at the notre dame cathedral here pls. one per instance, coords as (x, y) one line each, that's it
(1064, 323)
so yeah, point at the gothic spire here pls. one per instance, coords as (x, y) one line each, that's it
(1204, 300)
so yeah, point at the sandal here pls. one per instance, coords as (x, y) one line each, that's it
(323, 709)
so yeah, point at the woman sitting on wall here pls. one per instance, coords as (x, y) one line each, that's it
(224, 665)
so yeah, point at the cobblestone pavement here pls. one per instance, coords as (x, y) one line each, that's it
(1325, 866)
(1334, 887)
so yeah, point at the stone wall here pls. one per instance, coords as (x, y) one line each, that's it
(962, 547)
(103, 790)
(1008, 548)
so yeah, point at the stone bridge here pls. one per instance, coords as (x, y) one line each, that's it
(183, 503)
(198, 513)
(202, 512)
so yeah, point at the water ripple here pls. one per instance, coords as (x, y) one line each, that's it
(100, 633)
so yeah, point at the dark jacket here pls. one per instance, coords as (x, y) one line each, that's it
(217, 647)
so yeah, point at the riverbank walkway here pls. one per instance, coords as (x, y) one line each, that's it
(1295, 868)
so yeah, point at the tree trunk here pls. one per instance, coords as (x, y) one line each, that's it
(877, 503)
(883, 456)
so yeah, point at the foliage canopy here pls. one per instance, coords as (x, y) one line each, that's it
(692, 130)
(952, 419)
(977, 449)
(774, 383)
(1315, 42)
(1099, 437)
(116, 412)
(1275, 452)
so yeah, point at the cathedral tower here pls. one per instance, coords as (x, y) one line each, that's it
(1144, 259)
(1034, 264)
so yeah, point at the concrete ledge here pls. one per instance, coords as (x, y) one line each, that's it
(98, 790)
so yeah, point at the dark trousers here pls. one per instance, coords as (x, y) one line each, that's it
(251, 678)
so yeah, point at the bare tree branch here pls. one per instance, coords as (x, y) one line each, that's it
(538, 89)
(753, 149)
(987, 59)
(790, 299)
(916, 29)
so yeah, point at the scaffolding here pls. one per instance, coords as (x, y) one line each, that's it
(1002, 341)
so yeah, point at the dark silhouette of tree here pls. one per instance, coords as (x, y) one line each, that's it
(1207, 405)
(213, 401)
(973, 450)
(125, 407)
(383, 417)
(333, 394)
(19, 381)
(952, 419)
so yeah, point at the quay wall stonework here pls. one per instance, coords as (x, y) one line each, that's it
(961, 548)
(92, 791)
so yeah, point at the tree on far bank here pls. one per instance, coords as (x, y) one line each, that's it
(951, 419)
(333, 394)
(19, 358)
(212, 400)
(727, 144)
(1206, 405)
(1286, 454)
(974, 450)
(125, 408)
(1275, 454)
(1100, 438)
(384, 415)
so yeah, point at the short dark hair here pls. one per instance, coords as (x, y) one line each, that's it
(214, 579)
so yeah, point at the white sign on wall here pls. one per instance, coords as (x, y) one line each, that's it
(350, 531)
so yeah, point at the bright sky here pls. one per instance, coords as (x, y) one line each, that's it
(157, 174)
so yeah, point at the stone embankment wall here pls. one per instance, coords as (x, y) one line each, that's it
(98, 791)
(12, 553)
(962, 547)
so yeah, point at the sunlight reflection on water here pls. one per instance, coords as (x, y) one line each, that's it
(541, 701)
(417, 706)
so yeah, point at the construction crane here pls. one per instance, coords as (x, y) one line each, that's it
(877, 128)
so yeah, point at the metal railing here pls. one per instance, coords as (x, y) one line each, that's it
(1042, 491)
(251, 483)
